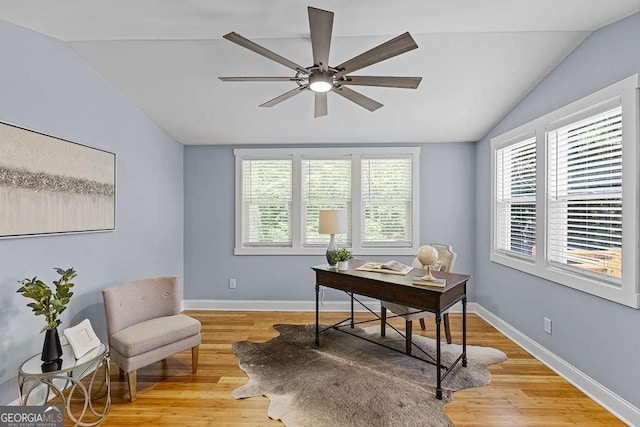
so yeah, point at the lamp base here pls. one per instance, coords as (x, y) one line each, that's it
(331, 250)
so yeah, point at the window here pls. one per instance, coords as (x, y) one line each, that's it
(266, 202)
(565, 195)
(516, 198)
(326, 184)
(387, 202)
(585, 195)
(281, 191)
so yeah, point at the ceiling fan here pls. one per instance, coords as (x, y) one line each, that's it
(320, 77)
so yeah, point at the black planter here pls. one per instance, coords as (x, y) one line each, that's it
(52, 350)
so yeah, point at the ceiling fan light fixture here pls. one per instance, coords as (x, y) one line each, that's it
(320, 82)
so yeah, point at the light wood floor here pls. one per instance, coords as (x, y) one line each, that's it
(523, 392)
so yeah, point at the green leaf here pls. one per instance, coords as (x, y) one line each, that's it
(47, 302)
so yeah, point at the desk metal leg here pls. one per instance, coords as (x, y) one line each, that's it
(317, 314)
(438, 365)
(464, 332)
(352, 324)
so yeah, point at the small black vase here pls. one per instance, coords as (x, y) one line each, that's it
(52, 350)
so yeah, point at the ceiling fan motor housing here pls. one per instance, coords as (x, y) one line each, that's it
(320, 82)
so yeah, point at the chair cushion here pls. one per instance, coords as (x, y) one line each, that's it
(151, 334)
(408, 313)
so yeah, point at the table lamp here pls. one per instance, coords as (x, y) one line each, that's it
(332, 222)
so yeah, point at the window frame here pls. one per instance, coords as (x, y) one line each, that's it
(356, 154)
(626, 93)
(499, 146)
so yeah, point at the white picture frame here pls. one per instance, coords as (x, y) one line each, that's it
(82, 338)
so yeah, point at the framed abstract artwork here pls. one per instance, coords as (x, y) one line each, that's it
(50, 186)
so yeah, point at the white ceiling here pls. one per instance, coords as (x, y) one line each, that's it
(477, 59)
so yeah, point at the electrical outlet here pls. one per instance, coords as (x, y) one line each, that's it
(232, 283)
(547, 325)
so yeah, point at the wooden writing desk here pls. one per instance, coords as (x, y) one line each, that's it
(399, 289)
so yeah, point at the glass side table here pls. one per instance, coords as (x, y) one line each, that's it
(67, 377)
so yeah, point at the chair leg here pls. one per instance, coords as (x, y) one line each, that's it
(407, 330)
(447, 329)
(133, 384)
(120, 373)
(422, 325)
(195, 351)
(383, 321)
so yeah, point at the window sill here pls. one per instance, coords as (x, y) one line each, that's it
(322, 251)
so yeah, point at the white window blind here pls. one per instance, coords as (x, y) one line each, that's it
(585, 195)
(516, 198)
(326, 184)
(386, 194)
(266, 202)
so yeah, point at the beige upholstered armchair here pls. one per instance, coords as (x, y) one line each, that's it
(445, 263)
(145, 325)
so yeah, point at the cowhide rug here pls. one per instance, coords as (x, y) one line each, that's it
(347, 381)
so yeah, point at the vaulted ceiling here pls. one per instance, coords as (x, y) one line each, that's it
(477, 59)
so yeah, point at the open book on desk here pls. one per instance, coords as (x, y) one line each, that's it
(389, 267)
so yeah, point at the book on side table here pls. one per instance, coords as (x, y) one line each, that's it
(389, 267)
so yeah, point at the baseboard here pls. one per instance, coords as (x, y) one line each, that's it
(275, 305)
(285, 305)
(615, 404)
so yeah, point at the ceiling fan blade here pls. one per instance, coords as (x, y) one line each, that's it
(321, 104)
(284, 96)
(358, 98)
(255, 47)
(401, 44)
(261, 79)
(321, 26)
(382, 81)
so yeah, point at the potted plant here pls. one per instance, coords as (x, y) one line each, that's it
(50, 305)
(342, 257)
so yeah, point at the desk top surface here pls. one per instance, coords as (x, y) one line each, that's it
(453, 279)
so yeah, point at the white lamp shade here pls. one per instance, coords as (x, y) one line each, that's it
(333, 221)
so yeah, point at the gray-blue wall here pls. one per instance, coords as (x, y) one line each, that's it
(46, 86)
(599, 337)
(447, 215)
